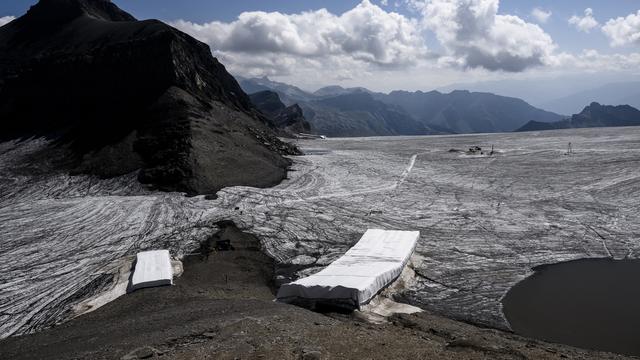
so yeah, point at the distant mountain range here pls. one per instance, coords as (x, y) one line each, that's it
(335, 111)
(338, 111)
(289, 94)
(627, 93)
(467, 112)
(594, 115)
(564, 94)
(338, 90)
(360, 114)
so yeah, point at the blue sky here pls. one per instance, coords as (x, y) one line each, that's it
(363, 42)
(207, 10)
(201, 11)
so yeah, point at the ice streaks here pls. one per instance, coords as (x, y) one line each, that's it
(485, 221)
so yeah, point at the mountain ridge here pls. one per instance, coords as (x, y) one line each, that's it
(432, 112)
(593, 115)
(125, 95)
(463, 111)
(360, 114)
(611, 93)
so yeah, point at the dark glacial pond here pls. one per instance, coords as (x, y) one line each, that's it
(589, 303)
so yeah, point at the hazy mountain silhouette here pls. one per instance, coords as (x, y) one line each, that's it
(594, 115)
(338, 111)
(468, 112)
(342, 112)
(329, 91)
(359, 114)
(549, 92)
(289, 94)
(627, 93)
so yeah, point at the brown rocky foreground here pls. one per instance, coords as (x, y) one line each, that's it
(222, 308)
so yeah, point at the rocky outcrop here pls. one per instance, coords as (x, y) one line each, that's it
(594, 115)
(289, 120)
(125, 95)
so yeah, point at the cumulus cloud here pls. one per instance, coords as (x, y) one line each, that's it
(541, 15)
(476, 36)
(363, 36)
(591, 60)
(584, 23)
(6, 19)
(367, 42)
(623, 30)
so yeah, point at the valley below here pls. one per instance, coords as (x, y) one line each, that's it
(485, 220)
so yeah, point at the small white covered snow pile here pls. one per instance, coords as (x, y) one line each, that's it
(153, 268)
(355, 278)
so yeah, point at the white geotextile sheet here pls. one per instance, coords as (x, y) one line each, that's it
(368, 267)
(153, 268)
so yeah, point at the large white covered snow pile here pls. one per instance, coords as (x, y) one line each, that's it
(355, 278)
(153, 268)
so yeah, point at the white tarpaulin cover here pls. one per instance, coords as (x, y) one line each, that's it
(355, 278)
(153, 268)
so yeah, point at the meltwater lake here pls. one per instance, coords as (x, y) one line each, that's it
(589, 303)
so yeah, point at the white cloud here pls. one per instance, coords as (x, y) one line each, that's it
(623, 30)
(475, 36)
(584, 23)
(373, 47)
(6, 19)
(541, 15)
(384, 2)
(591, 60)
(275, 43)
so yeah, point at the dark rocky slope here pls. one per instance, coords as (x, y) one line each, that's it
(594, 115)
(289, 120)
(124, 95)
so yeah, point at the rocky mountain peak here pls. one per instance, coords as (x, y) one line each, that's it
(65, 10)
(289, 120)
(127, 95)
